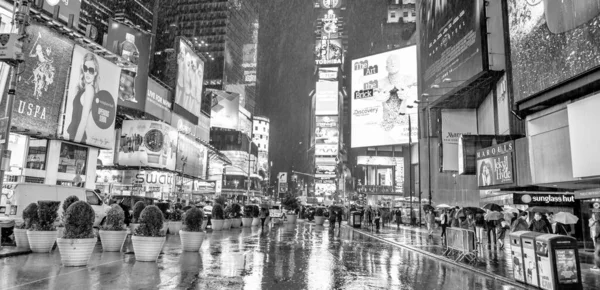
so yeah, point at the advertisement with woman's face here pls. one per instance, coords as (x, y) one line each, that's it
(91, 104)
(190, 77)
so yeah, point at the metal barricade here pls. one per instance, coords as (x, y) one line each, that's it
(461, 243)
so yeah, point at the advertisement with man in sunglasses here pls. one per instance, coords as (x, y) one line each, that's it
(91, 104)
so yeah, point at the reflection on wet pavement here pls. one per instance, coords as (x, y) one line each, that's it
(283, 257)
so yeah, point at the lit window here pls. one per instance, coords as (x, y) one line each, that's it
(405, 13)
(393, 15)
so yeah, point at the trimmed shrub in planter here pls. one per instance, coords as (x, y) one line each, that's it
(148, 238)
(30, 218)
(65, 205)
(113, 232)
(247, 219)
(227, 216)
(236, 215)
(290, 204)
(191, 233)
(175, 219)
(255, 215)
(319, 216)
(137, 211)
(77, 244)
(43, 233)
(217, 217)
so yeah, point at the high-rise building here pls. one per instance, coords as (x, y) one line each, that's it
(224, 32)
(138, 13)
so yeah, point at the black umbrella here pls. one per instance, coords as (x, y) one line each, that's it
(492, 207)
(428, 207)
(474, 210)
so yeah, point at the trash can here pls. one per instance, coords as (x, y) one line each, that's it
(529, 259)
(517, 255)
(356, 219)
(558, 262)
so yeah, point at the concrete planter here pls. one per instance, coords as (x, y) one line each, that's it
(247, 222)
(191, 241)
(300, 221)
(319, 220)
(236, 223)
(21, 238)
(204, 224)
(41, 241)
(291, 218)
(227, 224)
(76, 252)
(217, 225)
(174, 227)
(112, 241)
(147, 249)
(256, 222)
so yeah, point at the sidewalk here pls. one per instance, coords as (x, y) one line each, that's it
(493, 261)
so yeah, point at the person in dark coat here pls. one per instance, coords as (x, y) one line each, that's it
(538, 225)
(339, 217)
(125, 209)
(520, 224)
(558, 228)
(398, 217)
(491, 232)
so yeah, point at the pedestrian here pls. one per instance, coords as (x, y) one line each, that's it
(430, 220)
(520, 224)
(479, 227)
(538, 225)
(503, 226)
(369, 216)
(558, 228)
(332, 217)
(491, 232)
(339, 217)
(594, 222)
(398, 217)
(471, 224)
(377, 218)
(264, 213)
(444, 224)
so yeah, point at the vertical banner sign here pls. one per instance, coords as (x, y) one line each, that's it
(450, 43)
(327, 98)
(328, 51)
(42, 82)
(134, 46)
(384, 88)
(67, 7)
(159, 101)
(495, 165)
(91, 103)
(190, 77)
(455, 123)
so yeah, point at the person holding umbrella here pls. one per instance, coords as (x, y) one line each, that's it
(520, 224)
(538, 225)
(556, 227)
(398, 217)
(502, 227)
(479, 227)
(444, 224)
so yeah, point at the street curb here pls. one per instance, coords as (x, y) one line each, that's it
(15, 253)
(443, 259)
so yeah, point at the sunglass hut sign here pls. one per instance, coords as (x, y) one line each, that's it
(544, 199)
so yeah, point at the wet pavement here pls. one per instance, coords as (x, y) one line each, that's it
(490, 258)
(288, 257)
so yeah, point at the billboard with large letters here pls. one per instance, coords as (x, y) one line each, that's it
(329, 51)
(42, 82)
(384, 91)
(495, 165)
(190, 78)
(134, 46)
(148, 143)
(327, 130)
(159, 101)
(450, 43)
(326, 95)
(551, 42)
(91, 103)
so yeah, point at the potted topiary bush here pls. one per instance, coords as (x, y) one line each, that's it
(191, 233)
(217, 217)
(227, 216)
(137, 211)
(255, 215)
(247, 219)
(236, 217)
(164, 208)
(319, 216)
(290, 204)
(43, 234)
(77, 243)
(65, 205)
(30, 217)
(301, 215)
(148, 239)
(175, 219)
(113, 232)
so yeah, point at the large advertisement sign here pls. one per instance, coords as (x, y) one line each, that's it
(159, 101)
(134, 46)
(455, 123)
(544, 199)
(551, 42)
(495, 165)
(327, 130)
(67, 7)
(326, 149)
(42, 81)
(328, 74)
(327, 98)
(329, 51)
(91, 103)
(192, 157)
(324, 187)
(225, 109)
(450, 42)
(328, 4)
(148, 144)
(384, 88)
(190, 78)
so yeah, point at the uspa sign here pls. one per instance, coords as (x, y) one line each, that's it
(495, 165)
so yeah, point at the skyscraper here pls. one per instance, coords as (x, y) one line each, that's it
(224, 32)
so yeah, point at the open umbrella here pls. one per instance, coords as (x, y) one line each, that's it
(493, 216)
(565, 218)
(465, 210)
(492, 207)
(443, 206)
(428, 207)
(510, 210)
(537, 209)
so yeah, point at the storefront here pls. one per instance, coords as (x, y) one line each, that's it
(156, 184)
(550, 201)
(587, 201)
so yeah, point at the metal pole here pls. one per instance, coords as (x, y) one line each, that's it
(410, 189)
(20, 20)
(249, 154)
(429, 152)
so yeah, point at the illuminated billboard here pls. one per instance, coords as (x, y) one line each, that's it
(329, 51)
(225, 109)
(190, 77)
(326, 98)
(384, 91)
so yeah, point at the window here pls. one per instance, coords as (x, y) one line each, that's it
(92, 198)
(405, 14)
(256, 128)
(414, 13)
(261, 136)
(36, 155)
(264, 129)
(393, 15)
(72, 159)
